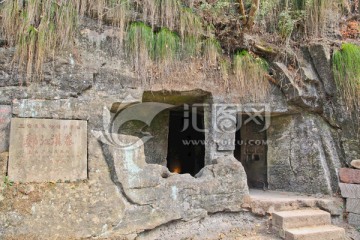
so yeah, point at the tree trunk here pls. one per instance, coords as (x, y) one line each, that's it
(252, 14)
(242, 11)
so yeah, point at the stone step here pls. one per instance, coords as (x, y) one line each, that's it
(300, 218)
(328, 232)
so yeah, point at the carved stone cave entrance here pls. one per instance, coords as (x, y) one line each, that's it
(186, 144)
(251, 150)
(178, 137)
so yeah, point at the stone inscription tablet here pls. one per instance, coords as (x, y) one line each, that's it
(47, 150)
(5, 116)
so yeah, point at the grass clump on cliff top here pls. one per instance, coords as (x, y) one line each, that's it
(346, 62)
(250, 74)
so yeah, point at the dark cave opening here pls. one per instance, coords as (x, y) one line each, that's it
(186, 142)
(251, 150)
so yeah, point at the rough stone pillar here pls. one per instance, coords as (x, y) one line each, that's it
(221, 120)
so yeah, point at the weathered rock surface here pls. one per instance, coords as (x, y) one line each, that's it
(262, 203)
(157, 196)
(3, 168)
(8, 75)
(217, 226)
(316, 74)
(313, 155)
(321, 58)
(5, 117)
(348, 175)
(355, 164)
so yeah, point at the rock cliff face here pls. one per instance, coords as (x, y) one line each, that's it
(310, 136)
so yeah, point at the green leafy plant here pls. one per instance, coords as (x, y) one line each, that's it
(286, 25)
(7, 182)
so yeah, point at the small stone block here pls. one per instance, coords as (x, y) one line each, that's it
(354, 219)
(348, 175)
(355, 163)
(353, 205)
(350, 190)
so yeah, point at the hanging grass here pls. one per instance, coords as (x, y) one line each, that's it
(140, 44)
(250, 76)
(38, 29)
(225, 71)
(317, 14)
(167, 45)
(119, 14)
(191, 47)
(312, 15)
(163, 13)
(140, 36)
(190, 23)
(211, 51)
(346, 62)
(169, 12)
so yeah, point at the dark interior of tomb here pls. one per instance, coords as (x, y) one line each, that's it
(182, 157)
(251, 150)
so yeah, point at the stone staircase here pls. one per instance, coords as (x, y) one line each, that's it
(306, 224)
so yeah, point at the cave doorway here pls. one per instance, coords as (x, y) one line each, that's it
(251, 150)
(186, 141)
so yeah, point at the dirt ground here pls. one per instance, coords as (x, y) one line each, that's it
(218, 226)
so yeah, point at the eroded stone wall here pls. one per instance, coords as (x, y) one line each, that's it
(303, 154)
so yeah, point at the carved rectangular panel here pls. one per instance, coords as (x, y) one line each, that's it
(47, 150)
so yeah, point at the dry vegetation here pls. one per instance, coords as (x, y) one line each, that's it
(159, 35)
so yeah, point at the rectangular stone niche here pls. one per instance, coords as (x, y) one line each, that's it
(47, 150)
